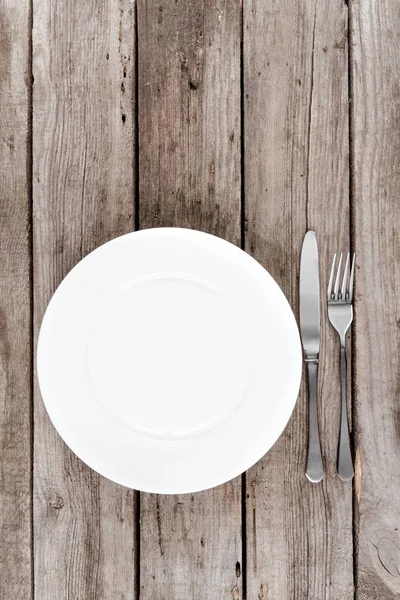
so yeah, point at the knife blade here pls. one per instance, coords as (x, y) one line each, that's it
(310, 335)
(309, 296)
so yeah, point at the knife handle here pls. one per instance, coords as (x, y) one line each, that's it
(315, 469)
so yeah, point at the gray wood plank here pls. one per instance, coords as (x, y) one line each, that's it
(375, 48)
(83, 195)
(299, 535)
(15, 312)
(189, 130)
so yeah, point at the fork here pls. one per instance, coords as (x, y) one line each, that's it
(340, 313)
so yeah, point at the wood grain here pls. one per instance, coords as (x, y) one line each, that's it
(83, 195)
(375, 37)
(296, 177)
(189, 116)
(189, 132)
(15, 310)
(299, 535)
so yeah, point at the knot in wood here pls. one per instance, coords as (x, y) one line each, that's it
(56, 502)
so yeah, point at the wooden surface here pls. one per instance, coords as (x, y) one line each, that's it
(375, 35)
(190, 176)
(15, 304)
(83, 195)
(299, 535)
(255, 122)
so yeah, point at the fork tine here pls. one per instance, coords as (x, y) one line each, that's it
(336, 290)
(344, 282)
(351, 284)
(331, 277)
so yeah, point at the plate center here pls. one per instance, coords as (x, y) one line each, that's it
(167, 356)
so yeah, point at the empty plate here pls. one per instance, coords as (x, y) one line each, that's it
(169, 360)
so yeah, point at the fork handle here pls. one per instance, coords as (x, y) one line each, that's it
(345, 468)
(314, 469)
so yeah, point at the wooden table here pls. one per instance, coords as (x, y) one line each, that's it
(254, 122)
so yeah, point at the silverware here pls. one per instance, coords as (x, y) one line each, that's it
(310, 331)
(340, 313)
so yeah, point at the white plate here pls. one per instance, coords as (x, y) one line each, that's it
(169, 360)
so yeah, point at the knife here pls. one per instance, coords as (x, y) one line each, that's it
(310, 331)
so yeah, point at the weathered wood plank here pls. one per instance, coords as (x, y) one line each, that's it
(189, 130)
(189, 115)
(15, 312)
(299, 535)
(83, 195)
(375, 50)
